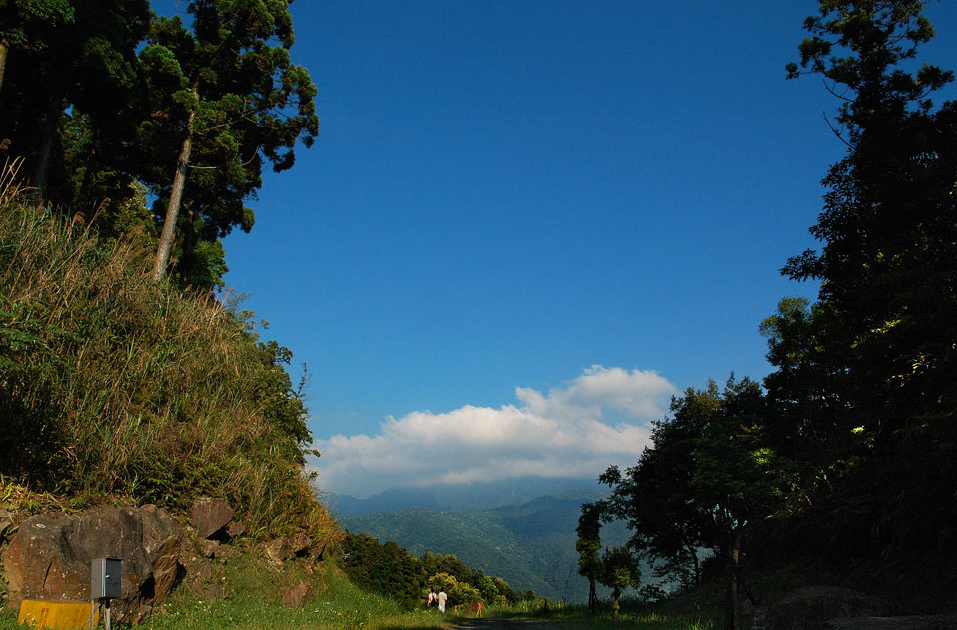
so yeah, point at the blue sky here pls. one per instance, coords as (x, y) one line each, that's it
(526, 224)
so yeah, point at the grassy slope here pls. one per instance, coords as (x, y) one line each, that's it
(113, 387)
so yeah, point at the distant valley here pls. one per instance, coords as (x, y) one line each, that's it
(531, 545)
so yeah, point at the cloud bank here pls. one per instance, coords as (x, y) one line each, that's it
(598, 419)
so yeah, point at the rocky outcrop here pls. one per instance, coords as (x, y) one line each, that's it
(288, 547)
(211, 518)
(49, 557)
(811, 607)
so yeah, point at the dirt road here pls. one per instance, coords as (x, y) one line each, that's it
(506, 624)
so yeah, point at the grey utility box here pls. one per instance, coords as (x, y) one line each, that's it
(105, 579)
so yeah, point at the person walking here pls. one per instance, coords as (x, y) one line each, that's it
(442, 599)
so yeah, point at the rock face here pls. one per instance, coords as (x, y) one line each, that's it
(295, 595)
(49, 557)
(211, 517)
(810, 608)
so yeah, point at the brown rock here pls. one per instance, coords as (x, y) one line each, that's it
(49, 557)
(277, 549)
(167, 570)
(216, 590)
(299, 542)
(235, 529)
(318, 550)
(295, 595)
(210, 517)
(210, 548)
(288, 547)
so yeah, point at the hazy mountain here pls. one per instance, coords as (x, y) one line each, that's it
(458, 497)
(531, 546)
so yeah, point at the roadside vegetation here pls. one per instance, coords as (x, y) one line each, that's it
(117, 388)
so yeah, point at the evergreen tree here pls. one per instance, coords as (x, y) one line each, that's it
(884, 329)
(227, 99)
(70, 68)
(28, 25)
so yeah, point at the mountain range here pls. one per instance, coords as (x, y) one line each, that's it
(530, 545)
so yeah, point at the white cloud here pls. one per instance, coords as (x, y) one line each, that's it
(565, 433)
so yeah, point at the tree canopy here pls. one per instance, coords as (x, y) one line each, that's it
(112, 104)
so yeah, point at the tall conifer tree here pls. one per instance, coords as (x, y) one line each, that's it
(231, 99)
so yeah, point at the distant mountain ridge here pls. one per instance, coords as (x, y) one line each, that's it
(456, 497)
(531, 545)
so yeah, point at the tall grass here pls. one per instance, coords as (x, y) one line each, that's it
(113, 387)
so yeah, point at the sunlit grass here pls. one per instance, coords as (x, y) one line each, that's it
(255, 601)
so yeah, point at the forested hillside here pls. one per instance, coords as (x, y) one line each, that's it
(532, 546)
(131, 143)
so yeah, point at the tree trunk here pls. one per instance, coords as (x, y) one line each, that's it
(697, 565)
(87, 183)
(592, 596)
(41, 173)
(3, 60)
(161, 262)
(733, 619)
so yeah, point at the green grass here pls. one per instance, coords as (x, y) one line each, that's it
(255, 601)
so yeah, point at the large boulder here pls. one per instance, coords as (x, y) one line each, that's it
(211, 518)
(810, 608)
(49, 557)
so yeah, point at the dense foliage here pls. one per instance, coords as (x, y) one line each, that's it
(531, 546)
(113, 386)
(847, 454)
(111, 104)
(391, 570)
